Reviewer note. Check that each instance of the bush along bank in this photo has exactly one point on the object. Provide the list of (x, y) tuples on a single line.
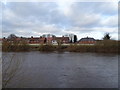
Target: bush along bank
[(46, 48), (105, 46), (15, 46)]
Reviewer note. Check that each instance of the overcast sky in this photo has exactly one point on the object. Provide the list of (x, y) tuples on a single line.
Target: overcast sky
[(91, 19)]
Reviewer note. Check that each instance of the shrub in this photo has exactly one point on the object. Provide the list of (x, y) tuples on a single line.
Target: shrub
[(46, 48), (15, 46)]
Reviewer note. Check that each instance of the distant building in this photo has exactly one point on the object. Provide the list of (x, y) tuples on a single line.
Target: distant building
[(72, 37), (87, 40), (62, 40), (36, 40), (49, 37)]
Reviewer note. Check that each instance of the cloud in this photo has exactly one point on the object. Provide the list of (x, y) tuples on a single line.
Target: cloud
[(107, 8), (81, 18), (111, 21)]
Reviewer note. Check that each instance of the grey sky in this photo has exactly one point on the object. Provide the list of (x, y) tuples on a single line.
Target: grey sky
[(91, 19)]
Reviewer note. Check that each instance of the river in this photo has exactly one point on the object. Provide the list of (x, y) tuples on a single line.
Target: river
[(64, 70)]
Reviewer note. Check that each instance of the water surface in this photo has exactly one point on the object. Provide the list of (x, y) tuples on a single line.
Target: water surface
[(65, 70)]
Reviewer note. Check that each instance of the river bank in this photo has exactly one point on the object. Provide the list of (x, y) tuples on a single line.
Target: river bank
[(100, 47)]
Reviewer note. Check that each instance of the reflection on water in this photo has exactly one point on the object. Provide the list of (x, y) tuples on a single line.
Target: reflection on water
[(66, 70)]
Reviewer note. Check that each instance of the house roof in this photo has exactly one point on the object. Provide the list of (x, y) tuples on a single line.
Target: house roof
[(87, 39), (36, 38), (65, 38), (61, 38), (42, 38)]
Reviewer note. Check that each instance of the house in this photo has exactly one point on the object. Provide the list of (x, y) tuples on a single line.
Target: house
[(72, 37), (61, 40), (33, 40), (49, 38), (87, 40), (36, 40), (65, 39), (42, 40), (13, 39)]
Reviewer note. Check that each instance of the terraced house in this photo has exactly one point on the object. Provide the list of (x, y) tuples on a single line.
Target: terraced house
[(51, 39)]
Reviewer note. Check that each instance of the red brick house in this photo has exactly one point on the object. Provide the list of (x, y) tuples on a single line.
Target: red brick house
[(65, 39), (36, 40), (61, 40), (87, 40), (18, 39)]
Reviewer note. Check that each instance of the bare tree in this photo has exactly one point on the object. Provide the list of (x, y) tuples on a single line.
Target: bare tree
[(10, 67), (59, 42)]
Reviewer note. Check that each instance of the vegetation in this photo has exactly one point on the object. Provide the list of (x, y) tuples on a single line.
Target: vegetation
[(75, 38), (47, 48), (15, 46), (106, 36), (105, 46)]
